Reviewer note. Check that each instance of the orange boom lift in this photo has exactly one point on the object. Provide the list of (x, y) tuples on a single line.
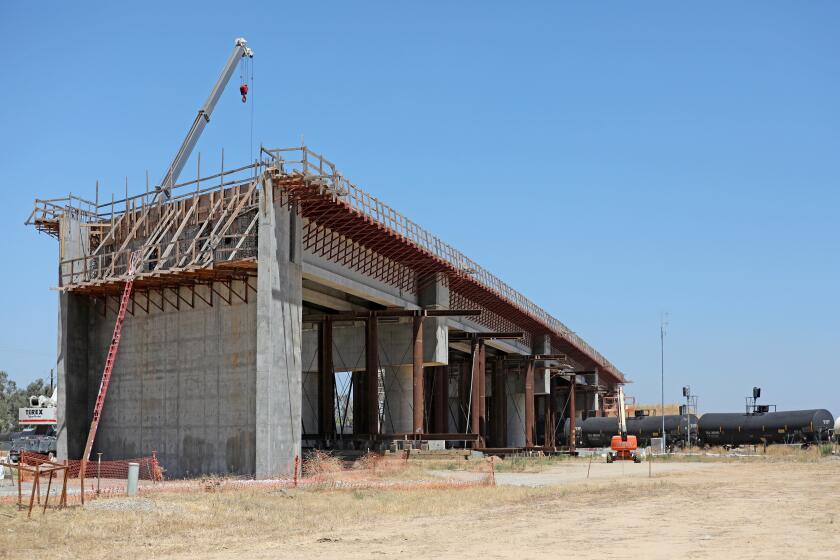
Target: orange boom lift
[(623, 447)]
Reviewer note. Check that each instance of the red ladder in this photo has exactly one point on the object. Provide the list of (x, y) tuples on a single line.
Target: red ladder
[(106, 375)]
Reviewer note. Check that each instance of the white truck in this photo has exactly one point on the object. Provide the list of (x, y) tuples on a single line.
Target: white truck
[(38, 426)]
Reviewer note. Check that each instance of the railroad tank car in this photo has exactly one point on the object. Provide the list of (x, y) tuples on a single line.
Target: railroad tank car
[(598, 431), (793, 426), (676, 426)]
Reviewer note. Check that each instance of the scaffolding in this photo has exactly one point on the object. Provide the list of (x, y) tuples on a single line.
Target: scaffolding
[(206, 233)]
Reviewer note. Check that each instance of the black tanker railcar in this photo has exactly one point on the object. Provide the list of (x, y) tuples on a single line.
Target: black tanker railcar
[(598, 431), (793, 426)]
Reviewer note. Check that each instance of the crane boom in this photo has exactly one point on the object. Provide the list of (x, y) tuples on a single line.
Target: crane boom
[(240, 50), (622, 414)]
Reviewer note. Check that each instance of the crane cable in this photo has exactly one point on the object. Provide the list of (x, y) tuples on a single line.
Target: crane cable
[(252, 110)]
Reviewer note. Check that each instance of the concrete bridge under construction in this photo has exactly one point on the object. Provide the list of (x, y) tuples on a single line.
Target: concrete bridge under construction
[(280, 307)]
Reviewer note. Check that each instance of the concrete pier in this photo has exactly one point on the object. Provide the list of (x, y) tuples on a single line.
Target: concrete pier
[(278, 337)]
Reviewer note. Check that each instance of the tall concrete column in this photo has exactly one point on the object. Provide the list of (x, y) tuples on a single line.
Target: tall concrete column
[(74, 407), (398, 409), (418, 381), (372, 374), (541, 344), (279, 333), (515, 392), (326, 379), (530, 423)]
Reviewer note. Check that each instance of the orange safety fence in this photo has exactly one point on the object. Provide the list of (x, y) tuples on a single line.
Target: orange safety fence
[(372, 472), (149, 467)]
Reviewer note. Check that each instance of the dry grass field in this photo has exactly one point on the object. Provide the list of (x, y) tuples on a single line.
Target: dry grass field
[(785, 506)]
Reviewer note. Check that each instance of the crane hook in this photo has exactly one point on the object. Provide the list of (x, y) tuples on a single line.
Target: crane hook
[(243, 89)]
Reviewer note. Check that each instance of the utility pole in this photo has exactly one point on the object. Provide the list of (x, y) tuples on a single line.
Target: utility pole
[(663, 322)]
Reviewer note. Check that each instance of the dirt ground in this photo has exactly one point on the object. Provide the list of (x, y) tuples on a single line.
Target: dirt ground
[(741, 509), (691, 510)]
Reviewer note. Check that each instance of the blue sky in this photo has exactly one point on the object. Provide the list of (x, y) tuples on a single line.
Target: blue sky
[(610, 160)]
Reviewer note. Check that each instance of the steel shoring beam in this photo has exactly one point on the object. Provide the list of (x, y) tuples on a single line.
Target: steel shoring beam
[(385, 313), (461, 337), (547, 357), (435, 436)]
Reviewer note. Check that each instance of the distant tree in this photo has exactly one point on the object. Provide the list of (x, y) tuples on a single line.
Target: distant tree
[(38, 387), (12, 398), (8, 394)]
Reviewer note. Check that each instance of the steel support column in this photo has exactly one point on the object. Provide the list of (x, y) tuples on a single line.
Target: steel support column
[(372, 374), (548, 439), (499, 416), (530, 423), (572, 414), (475, 413), (418, 382), (482, 392), (441, 400), (360, 422), (464, 394), (326, 380)]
